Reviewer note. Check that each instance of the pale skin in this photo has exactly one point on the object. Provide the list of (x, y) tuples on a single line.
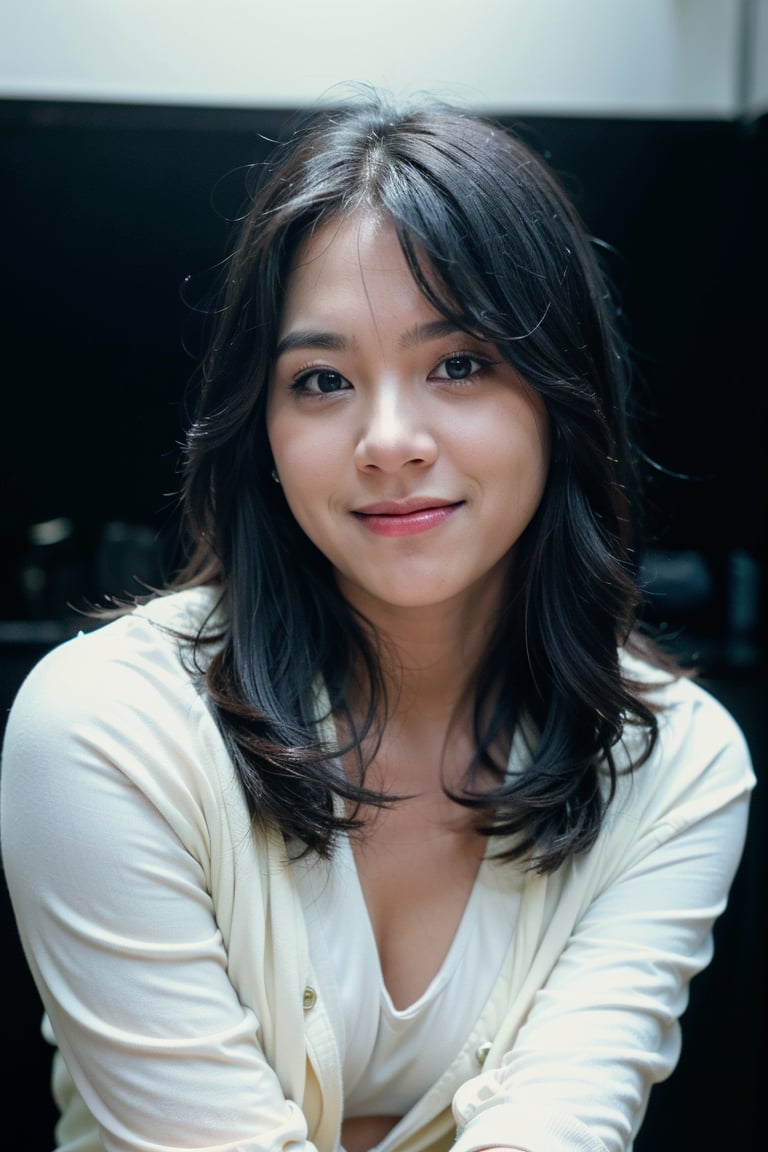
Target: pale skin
[(413, 456)]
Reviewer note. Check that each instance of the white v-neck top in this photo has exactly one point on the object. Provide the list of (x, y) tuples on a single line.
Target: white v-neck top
[(389, 1056)]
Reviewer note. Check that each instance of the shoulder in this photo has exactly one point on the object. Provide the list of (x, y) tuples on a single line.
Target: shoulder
[(128, 693), (701, 759), (151, 642), (185, 613), (684, 707)]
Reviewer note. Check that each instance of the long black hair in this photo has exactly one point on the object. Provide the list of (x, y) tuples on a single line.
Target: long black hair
[(495, 245)]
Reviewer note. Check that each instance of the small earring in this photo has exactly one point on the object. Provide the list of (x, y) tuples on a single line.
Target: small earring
[(275, 476)]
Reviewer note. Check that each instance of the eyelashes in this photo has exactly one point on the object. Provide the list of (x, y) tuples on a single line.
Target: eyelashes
[(326, 381), (456, 368)]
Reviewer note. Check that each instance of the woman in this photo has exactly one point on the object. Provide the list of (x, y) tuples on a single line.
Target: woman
[(381, 827)]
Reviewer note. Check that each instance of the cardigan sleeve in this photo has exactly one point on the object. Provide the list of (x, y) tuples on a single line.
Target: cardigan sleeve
[(112, 890), (602, 1027)]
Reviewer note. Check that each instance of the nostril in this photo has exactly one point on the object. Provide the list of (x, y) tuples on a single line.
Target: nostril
[(392, 445)]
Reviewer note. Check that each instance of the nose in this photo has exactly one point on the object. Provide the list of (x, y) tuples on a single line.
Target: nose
[(394, 433)]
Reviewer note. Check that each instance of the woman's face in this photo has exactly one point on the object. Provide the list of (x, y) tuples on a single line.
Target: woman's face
[(410, 453)]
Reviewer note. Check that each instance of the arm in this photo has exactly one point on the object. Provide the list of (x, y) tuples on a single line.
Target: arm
[(602, 1026), (117, 918)]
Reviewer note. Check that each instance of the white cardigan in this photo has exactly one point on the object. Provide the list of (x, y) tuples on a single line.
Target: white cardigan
[(169, 946)]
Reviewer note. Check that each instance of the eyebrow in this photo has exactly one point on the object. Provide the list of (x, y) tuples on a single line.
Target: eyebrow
[(311, 338), (302, 338), (422, 333)]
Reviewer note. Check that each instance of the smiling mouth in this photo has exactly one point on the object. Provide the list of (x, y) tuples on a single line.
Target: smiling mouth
[(405, 519)]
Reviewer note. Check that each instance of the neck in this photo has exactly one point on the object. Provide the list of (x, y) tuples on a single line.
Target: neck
[(429, 660)]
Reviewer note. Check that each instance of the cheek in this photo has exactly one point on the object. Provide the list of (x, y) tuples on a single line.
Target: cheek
[(306, 463), (536, 431), (309, 468), (518, 442), (308, 445), (292, 448), (542, 441)]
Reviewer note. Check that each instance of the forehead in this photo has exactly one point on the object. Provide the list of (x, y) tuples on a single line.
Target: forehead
[(348, 265), (363, 240)]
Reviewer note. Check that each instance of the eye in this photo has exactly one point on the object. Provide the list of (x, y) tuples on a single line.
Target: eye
[(320, 381), (460, 366)]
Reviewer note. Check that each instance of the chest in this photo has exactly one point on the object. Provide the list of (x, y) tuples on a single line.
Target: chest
[(417, 864), (390, 1057)]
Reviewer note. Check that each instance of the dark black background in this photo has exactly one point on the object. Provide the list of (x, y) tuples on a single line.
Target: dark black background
[(108, 209)]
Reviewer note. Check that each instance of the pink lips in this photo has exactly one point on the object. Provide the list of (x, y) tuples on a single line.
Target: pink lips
[(405, 517)]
